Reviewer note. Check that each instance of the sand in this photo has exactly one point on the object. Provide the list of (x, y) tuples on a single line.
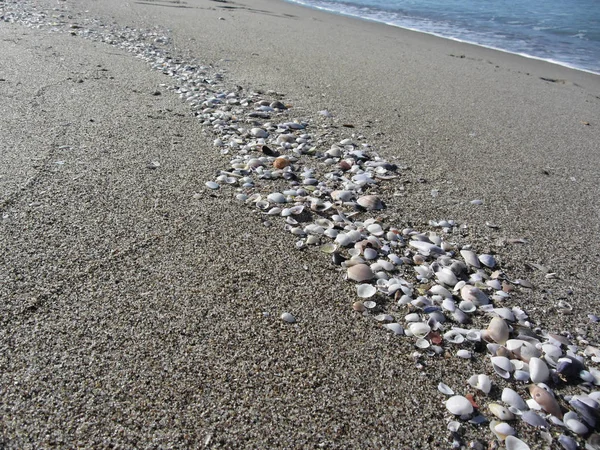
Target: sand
[(136, 314)]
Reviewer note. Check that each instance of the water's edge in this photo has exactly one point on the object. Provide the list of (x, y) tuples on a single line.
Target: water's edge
[(524, 55)]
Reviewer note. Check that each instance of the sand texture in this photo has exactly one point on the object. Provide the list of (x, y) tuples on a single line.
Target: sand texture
[(139, 309)]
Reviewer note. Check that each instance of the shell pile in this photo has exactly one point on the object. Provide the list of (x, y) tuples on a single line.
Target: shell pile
[(418, 284)]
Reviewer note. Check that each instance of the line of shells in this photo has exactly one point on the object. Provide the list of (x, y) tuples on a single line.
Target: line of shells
[(326, 189)]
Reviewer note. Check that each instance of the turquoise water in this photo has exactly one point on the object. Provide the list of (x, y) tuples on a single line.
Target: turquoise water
[(565, 32)]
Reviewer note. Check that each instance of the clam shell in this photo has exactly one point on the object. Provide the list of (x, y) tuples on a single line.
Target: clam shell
[(470, 258), (545, 400), (459, 405), (419, 329), (513, 443), (287, 317), (370, 202), (511, 398), (538, 370), (366, 290), (360, 272), (487, 260), (497, 330), (500, 411), (395, 328), (481, 382)]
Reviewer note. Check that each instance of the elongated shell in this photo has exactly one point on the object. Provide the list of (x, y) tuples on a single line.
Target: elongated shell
[(545, 400)]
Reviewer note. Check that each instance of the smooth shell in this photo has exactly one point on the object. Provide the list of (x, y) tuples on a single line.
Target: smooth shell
[(360, 272), (459, 405)]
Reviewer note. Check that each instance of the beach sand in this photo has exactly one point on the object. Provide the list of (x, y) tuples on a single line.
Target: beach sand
[(140, 310)]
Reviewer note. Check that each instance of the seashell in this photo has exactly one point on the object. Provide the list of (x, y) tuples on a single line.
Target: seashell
[(359, 307), (473, 294), (481, 382), (370, 304), (467, 306), (370, 253), (447, 277), (567, 442), (212, 185), (459, 405), (534, 419), (426, 248), (501, 429), (545, 400), (366, 290), (470, 258), (538, 370), (395, 328), (497, 330), (276, 197), (287, 317), (445, 389), (511, 398), (487, 260), (502, 366), (572, 422), (501, 412), (360, 272), (281, 162), (464, 354), (513, 443), (370, 202), (384, 318), (419, 329)]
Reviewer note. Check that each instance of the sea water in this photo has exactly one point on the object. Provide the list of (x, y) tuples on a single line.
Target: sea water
[(565, 32)]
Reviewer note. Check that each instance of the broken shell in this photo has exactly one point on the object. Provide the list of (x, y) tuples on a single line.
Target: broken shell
[(366, 290), (360, 272), (459, 405), (481, 382)]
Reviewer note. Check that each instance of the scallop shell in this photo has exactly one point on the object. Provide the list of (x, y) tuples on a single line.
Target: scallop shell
[(370, 202), (459, 405), (366, 290), (360, 272)]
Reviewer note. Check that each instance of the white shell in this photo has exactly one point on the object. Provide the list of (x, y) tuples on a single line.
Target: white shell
[(511, 398), (481, 382), (538, 370), (395, 328), (445, 389), (513, 443), (459, 405), (366, 290)]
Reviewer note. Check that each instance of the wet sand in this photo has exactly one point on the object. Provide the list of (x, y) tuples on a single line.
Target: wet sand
[(138, 314)]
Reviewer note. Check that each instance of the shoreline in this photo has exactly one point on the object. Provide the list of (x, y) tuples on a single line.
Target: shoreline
[(157, 312), (438, 35)]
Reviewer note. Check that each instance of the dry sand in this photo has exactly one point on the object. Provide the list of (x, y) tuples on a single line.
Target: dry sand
[(133, 314)]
